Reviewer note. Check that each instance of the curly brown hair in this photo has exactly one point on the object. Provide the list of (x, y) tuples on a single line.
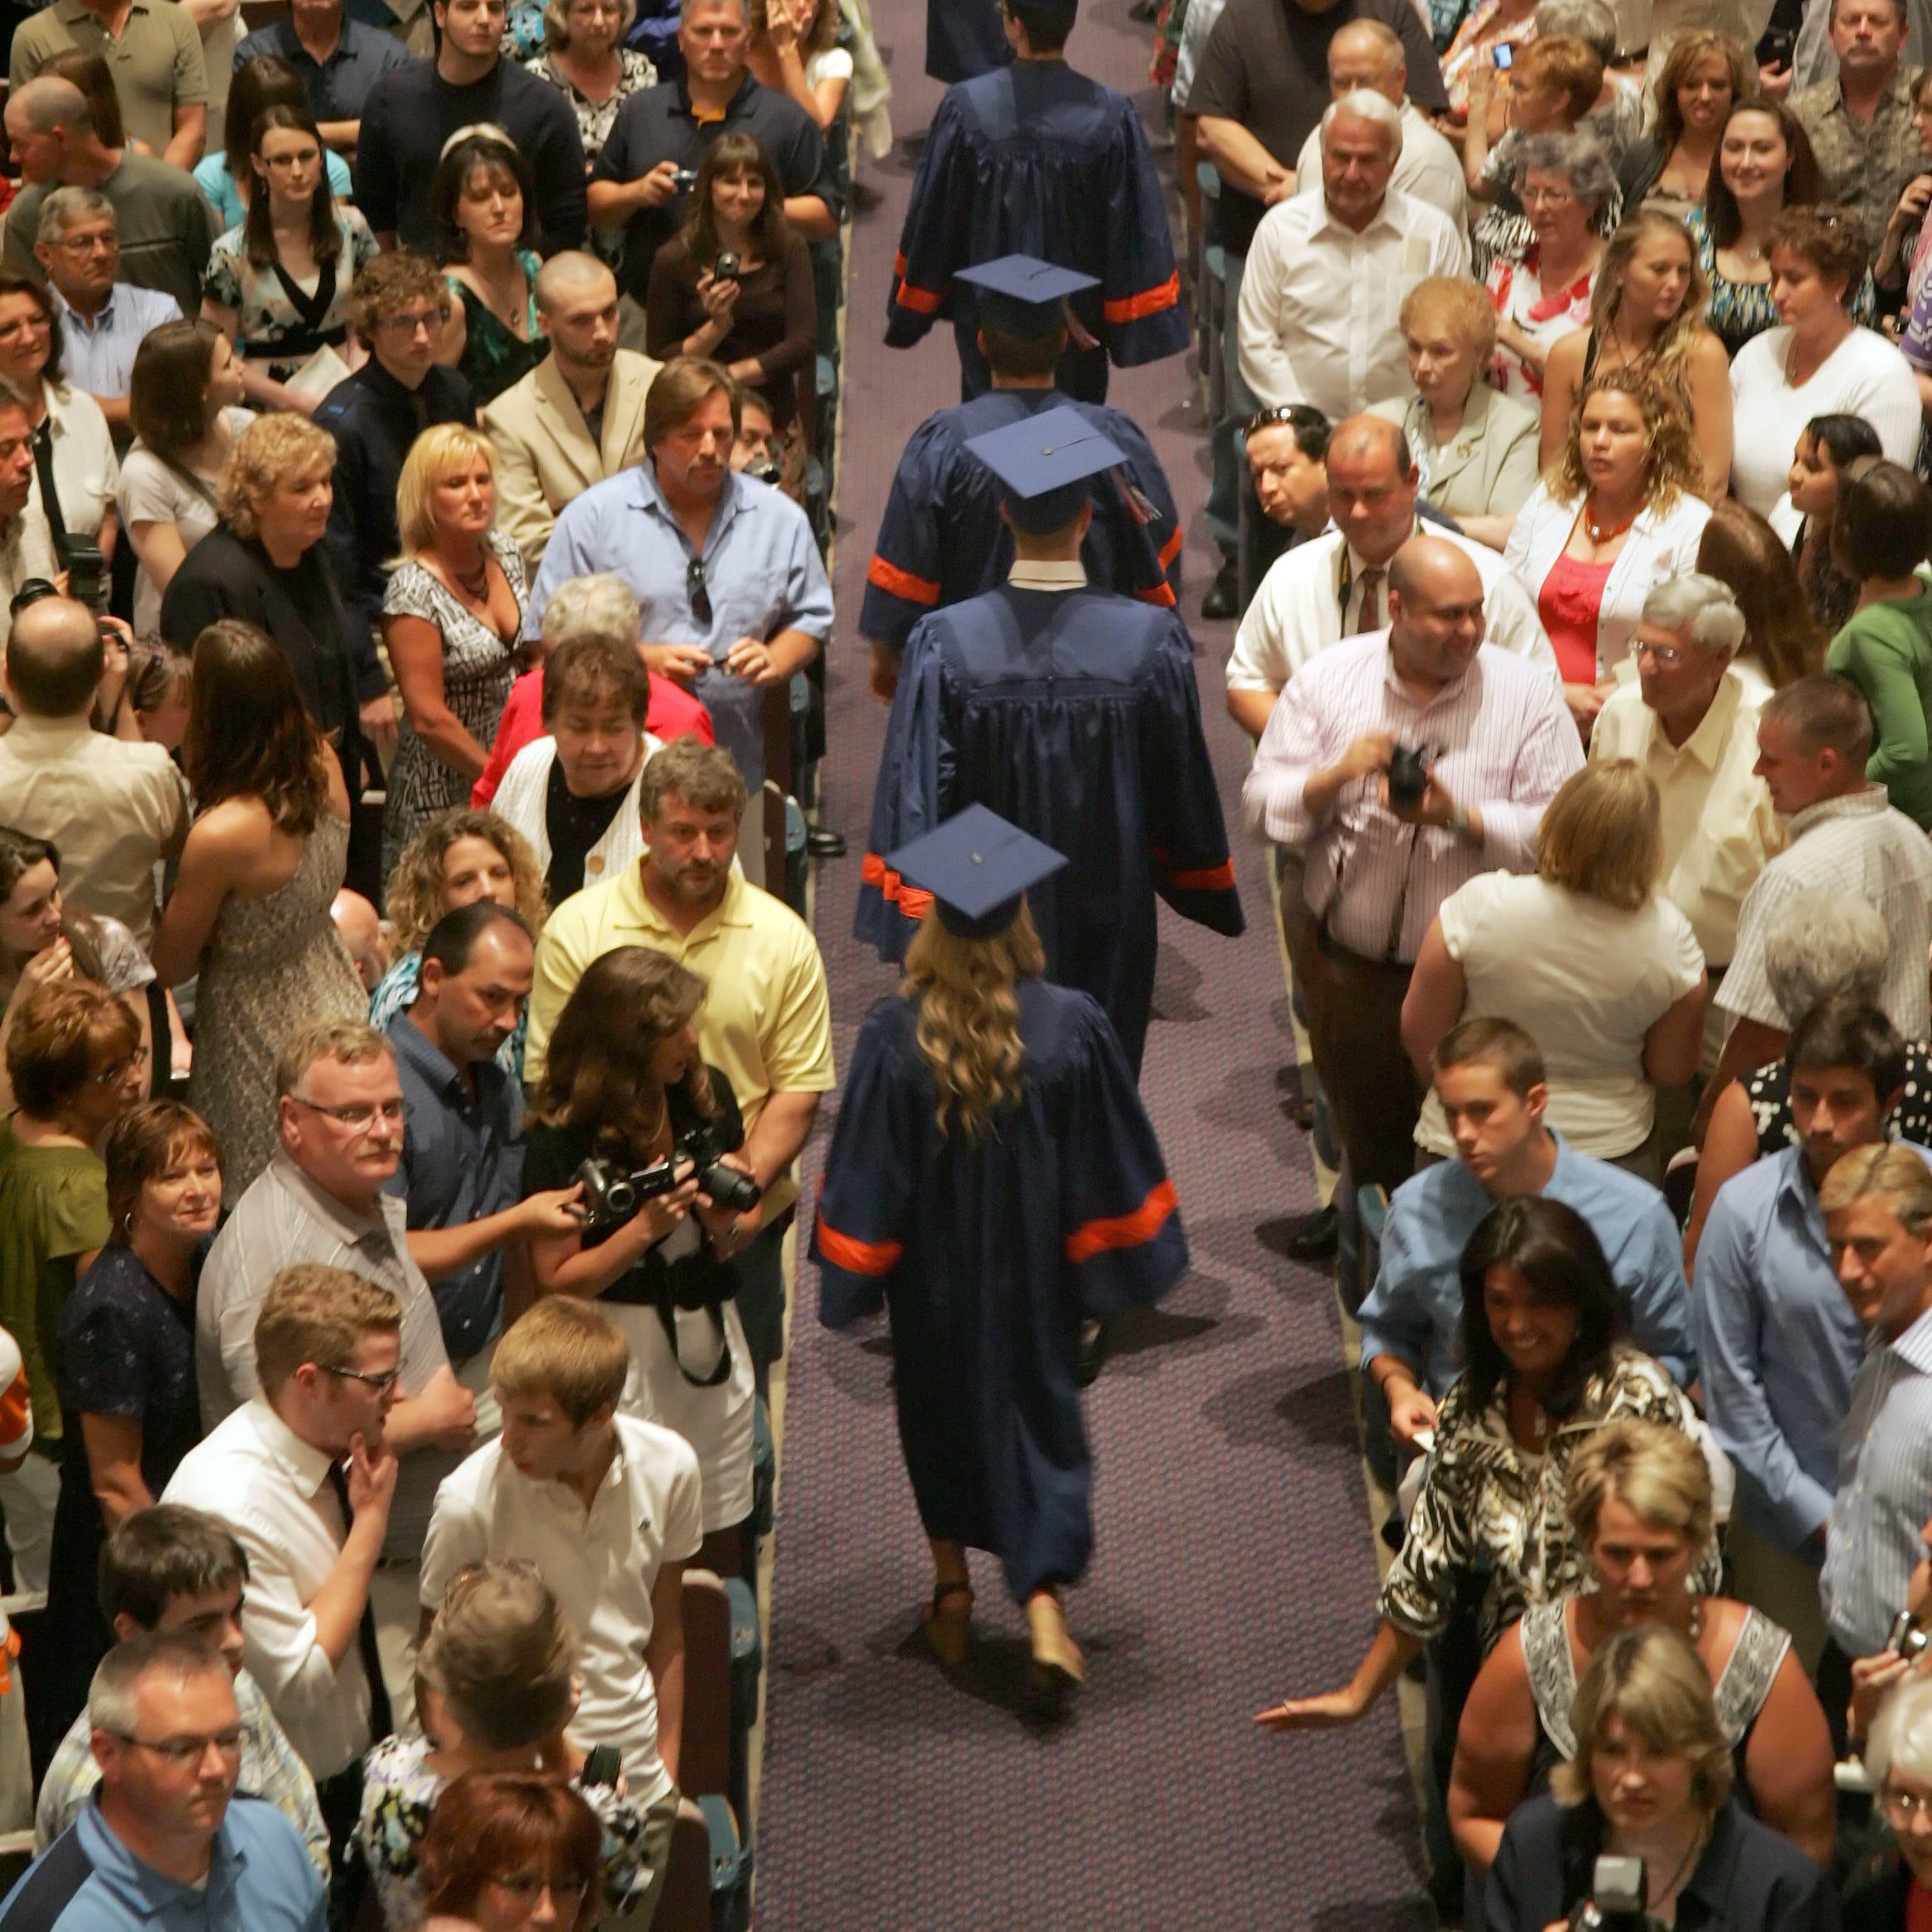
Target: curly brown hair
[(414, 899), (1830, 240), (249, 734), (1672, 467)]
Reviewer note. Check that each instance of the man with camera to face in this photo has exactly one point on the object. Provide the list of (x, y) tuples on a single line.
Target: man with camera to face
[(1490, 742)]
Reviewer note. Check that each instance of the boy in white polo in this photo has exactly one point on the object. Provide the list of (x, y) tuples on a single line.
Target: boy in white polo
[(609, 1509)]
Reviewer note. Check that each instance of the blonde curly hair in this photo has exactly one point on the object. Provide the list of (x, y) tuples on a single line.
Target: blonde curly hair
[(1671, 465), (415, 895), (968, 1015), (271, 449)]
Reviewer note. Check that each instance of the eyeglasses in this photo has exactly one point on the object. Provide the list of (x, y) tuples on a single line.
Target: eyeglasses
[(1907, 1807), (114, 1075), (1665, 654), (185, 1752), (360, 1120), (525, 1887), (422, 322), (1295, 414), (694, 589), (1545, 197), (387, 1379), (87, 244)]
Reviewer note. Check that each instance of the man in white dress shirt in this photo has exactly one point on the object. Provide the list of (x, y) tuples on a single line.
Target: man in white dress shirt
[(1369, 54), (1322, 292), (1337, 586)]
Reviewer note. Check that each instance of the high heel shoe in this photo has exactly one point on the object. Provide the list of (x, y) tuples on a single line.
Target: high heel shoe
[(948, 1624), (1058, 1668)]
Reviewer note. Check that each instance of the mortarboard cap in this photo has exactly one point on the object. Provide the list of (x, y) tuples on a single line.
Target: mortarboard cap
[(1044, 464), (1022, 293), (976, 867)]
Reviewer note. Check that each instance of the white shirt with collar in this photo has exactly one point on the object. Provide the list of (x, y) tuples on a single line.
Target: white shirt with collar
[(1428, 168), (1311, 598), (601, 1563), (1047, 576), (85, 474), (271, 1488), (1320, 302)]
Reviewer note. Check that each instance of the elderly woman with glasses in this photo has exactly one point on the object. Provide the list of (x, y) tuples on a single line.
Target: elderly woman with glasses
[(1891, 1888)]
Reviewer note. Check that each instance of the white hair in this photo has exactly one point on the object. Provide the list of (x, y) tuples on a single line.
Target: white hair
[(1819, 942), (1365, 104), (1702, 605), (1901, 1733), (600, 605)]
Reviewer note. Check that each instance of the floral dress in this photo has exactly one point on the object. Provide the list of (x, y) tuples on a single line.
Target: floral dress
[(1515, 288), (281, 322), (478, 669)]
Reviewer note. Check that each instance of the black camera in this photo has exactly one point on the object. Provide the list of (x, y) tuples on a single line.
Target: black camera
[(87, 571), (1910, 1639), (1409, 775), (1616, 1903), (765, 468), (612, 1195), (686, 179), (727, 268)]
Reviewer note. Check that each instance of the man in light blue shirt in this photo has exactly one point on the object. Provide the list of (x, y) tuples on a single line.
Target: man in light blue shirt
[(1488, 1075), (1777, 1344), (733, 595), (164, 1845)]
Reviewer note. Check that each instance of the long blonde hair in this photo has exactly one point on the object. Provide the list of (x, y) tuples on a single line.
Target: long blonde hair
[(968, 1015)]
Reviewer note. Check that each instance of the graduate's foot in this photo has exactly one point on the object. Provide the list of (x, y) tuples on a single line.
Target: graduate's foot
[(823, 842), (1224, 594), (949, 1623), (1057, 1668), (1090, 1352)]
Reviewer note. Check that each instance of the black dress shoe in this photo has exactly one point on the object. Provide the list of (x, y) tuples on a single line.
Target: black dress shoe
[(823, 842), (1090, 1352), (1315, 1239), (1224, 594)]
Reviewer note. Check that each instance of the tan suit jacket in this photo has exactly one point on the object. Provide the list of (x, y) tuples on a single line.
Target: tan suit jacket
[(545, 455)]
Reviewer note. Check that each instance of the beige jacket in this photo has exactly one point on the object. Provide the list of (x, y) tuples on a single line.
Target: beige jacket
[(545, 455)]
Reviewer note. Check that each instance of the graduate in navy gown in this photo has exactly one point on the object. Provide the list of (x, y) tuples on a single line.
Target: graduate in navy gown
[(1073, 713), (941, 539), (963, 38), (1034, 159), (994, 1179)]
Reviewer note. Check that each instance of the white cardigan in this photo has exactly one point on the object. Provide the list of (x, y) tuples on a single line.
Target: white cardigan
[(521, 798), (1657, 549)]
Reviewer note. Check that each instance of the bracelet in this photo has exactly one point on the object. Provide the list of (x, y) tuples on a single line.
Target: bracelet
[(1458, 820)]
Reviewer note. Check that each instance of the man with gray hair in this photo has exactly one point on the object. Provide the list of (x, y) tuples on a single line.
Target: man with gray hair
[(1690, 720), (1326, 274), (1369, 54), (1812, 740), (576, 418), (164, 224)]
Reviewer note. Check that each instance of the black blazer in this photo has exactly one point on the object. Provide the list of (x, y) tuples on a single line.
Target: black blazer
[(1750, 1878)]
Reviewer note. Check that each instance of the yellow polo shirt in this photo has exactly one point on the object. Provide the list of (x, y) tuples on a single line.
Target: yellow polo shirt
[(766, 1024)]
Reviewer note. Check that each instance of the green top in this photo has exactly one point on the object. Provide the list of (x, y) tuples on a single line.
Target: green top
[(1885, 649), (53, 1207)]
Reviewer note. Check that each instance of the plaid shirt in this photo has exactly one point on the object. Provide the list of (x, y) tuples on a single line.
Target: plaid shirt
[(1866, 164)]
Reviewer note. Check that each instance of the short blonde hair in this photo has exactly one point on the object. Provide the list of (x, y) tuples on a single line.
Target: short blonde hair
[(502, 1655), (1654, 1683), (352, 1041), (432, 457), (1459, 305), (1650, 1468), (564, 1350), (272, 448), (1602, 834), (1889, 1173), (557, 23), (316, 1314)]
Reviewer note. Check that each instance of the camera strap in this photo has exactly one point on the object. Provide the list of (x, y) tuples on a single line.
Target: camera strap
[(667, 1308), (50, 495)]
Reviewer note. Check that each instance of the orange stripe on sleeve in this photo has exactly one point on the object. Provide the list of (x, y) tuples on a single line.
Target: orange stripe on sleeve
[(901, 583), (1120, 1231), (1148, 302), (925, 301), (1207, 879), (868, 1257), (914, 904), (1161, 594), (1171, 548)]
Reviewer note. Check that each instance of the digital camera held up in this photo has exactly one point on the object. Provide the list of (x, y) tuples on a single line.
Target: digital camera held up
[(1618, 1890), (1409, 775), (612, 1194)]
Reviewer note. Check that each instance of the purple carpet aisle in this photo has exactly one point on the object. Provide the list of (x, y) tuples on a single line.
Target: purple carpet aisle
[(1233, 1559)]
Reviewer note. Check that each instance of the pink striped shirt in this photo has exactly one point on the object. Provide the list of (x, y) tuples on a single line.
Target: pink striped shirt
[(1503, 742)]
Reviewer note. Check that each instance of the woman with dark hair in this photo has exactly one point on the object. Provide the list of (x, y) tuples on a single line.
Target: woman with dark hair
[(1545, 1363), (249, 912), (1817, 361), (623, 1082), (1703, 76), (126, 1360), (278, 282), (762, 321), (226, 178), (1826, 447), (500, 1847), (1781, 642), (184, 400), (1879, 535), (80, 448), (485, 206), (993, 1179)]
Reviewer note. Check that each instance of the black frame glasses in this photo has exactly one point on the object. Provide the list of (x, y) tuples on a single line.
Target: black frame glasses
[(695, 591), (387, 1380)]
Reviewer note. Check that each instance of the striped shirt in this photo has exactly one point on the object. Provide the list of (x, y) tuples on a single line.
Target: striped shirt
[(1502, 740), (1855, 844), (1884, 1490)]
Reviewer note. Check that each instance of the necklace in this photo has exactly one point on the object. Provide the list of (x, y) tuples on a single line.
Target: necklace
[(1682, 1870), (1603, 533), (477, 587)]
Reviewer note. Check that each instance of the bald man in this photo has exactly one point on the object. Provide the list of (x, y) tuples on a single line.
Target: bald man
[(1366, 53), (1494, 740), (577, 418)]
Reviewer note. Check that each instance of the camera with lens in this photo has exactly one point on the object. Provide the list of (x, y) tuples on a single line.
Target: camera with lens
[(612, 1194), (1409, 775), (728, 268), (763, 467), (87, 571), (1910, 1639), (1618, 1891)]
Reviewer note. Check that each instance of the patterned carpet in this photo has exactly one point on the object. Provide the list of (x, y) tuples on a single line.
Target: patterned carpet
[(1233, 1559)]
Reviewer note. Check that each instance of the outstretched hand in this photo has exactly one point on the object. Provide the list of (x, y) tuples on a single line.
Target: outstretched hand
[(1329, 1712)]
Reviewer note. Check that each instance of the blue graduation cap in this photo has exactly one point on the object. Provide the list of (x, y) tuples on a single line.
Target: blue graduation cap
[(1022, 294), (1044, 464), (976, 867)]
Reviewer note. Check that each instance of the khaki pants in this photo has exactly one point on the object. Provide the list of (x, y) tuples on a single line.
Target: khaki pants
[(395, 1595), (1783, 1586)]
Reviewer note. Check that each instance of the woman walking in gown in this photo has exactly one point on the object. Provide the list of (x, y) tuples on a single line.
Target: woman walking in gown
[(264, 857), (993, 1178)]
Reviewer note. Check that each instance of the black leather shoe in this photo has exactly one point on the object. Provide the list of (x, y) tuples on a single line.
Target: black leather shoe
[(1090, 1352), (1224, 594), (1315, 1239), (823, 842)]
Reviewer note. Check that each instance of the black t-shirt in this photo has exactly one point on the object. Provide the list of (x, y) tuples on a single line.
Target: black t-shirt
[(574, 825), (1265, 66)]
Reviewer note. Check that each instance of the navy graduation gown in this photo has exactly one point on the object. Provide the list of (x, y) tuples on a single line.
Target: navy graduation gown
[(1036, 160), (986, 1253), (1074, 715), (963, 38), (943, 539)]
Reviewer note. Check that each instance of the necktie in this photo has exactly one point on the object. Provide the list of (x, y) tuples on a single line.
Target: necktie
[(1368, 616), (380, 1723)]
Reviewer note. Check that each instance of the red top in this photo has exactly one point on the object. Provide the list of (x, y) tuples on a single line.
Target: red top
[(1918, 1908), (674, 713), (1568, 603)]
